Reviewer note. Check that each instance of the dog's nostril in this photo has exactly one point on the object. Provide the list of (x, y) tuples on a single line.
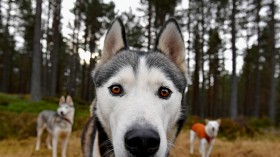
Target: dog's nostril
[(133, 142), (142, 142), (61, 113)]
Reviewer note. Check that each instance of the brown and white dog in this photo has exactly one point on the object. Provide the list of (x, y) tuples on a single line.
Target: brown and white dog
[(206, 134)]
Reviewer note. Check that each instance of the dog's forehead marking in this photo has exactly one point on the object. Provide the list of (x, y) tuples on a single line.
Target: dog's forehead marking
[(152, 60), (143, 78), (151, 76)]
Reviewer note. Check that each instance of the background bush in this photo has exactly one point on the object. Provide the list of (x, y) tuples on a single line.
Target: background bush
[(18, 119), (18, 116), (233, 129)]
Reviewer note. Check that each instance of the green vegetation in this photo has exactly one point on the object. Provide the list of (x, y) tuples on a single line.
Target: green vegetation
[(18, 119), (18, 115)]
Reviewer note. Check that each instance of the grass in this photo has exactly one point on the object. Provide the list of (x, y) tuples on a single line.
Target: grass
[(20, 104), (26, 147), (241, 138), (18, 115), (264, 146)]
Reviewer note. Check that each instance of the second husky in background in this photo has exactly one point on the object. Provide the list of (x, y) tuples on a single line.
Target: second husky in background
[(206, 134), (58, 124)]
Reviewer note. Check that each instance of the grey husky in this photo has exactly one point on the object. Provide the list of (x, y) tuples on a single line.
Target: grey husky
[(58, 124), (139, 105)]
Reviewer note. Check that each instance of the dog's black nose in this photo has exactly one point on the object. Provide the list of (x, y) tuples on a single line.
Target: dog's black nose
[(142, 142), (61, 113)]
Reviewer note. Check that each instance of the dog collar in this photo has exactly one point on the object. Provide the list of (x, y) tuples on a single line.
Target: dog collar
[(208, 138), (66, 119)]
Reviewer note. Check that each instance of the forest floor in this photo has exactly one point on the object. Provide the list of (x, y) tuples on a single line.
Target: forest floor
[(243, 147), (18, 122)]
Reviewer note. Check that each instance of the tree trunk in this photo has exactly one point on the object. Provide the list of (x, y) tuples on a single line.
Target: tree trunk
[(36, 57), (7, 52), (272, 88), (196, 100), (55, 50), (1, 24), (46, 79), (233, 96), (149, 26), (256, 111), (203, 91), (248, 80)]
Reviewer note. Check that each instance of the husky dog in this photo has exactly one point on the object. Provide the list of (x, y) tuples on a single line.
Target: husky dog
[(57, 124), (207, 134), (139, 105)]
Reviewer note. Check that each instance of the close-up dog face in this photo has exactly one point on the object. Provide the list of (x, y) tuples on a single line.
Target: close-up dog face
[(140, 94)]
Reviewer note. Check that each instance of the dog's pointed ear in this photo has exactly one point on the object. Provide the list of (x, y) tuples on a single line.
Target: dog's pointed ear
[(61, 100), (115, 40), (69, 100), (219, 121), (170, 42)]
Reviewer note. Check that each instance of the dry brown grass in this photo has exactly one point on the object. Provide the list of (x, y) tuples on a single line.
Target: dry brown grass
[(26, 147), (262, 147)]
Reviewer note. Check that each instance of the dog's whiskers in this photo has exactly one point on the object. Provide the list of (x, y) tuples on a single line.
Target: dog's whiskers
[(112, 155), (106, 142), (108, 153), (170, 145)]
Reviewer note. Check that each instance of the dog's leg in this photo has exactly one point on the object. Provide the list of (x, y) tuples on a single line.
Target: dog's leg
[(39, 133), (54, 144), (202, 147), (192, 138), (48, 141), (64, 145), (210, 147)]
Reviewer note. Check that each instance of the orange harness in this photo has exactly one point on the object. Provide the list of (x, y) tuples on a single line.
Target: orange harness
[(199, 129)]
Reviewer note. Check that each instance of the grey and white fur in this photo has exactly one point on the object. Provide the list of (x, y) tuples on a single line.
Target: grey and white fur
[(58, 124), (139, 107)]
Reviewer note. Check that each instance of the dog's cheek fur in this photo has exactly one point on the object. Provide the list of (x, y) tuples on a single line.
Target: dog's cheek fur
[(174, 111), (103, 108)]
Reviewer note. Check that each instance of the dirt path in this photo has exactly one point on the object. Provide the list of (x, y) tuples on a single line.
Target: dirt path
[(222, 148)]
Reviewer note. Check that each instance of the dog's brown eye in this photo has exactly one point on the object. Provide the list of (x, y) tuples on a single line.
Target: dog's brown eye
[(164, 92), (116, 90)]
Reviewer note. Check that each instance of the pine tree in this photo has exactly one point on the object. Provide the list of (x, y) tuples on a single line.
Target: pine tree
[(134, 30), (26, 20), (37, 56), (272, 87), (55, 48), (233, 97), (257, 68)]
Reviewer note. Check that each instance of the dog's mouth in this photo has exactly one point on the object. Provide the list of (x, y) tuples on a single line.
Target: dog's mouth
[(142, 142)]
